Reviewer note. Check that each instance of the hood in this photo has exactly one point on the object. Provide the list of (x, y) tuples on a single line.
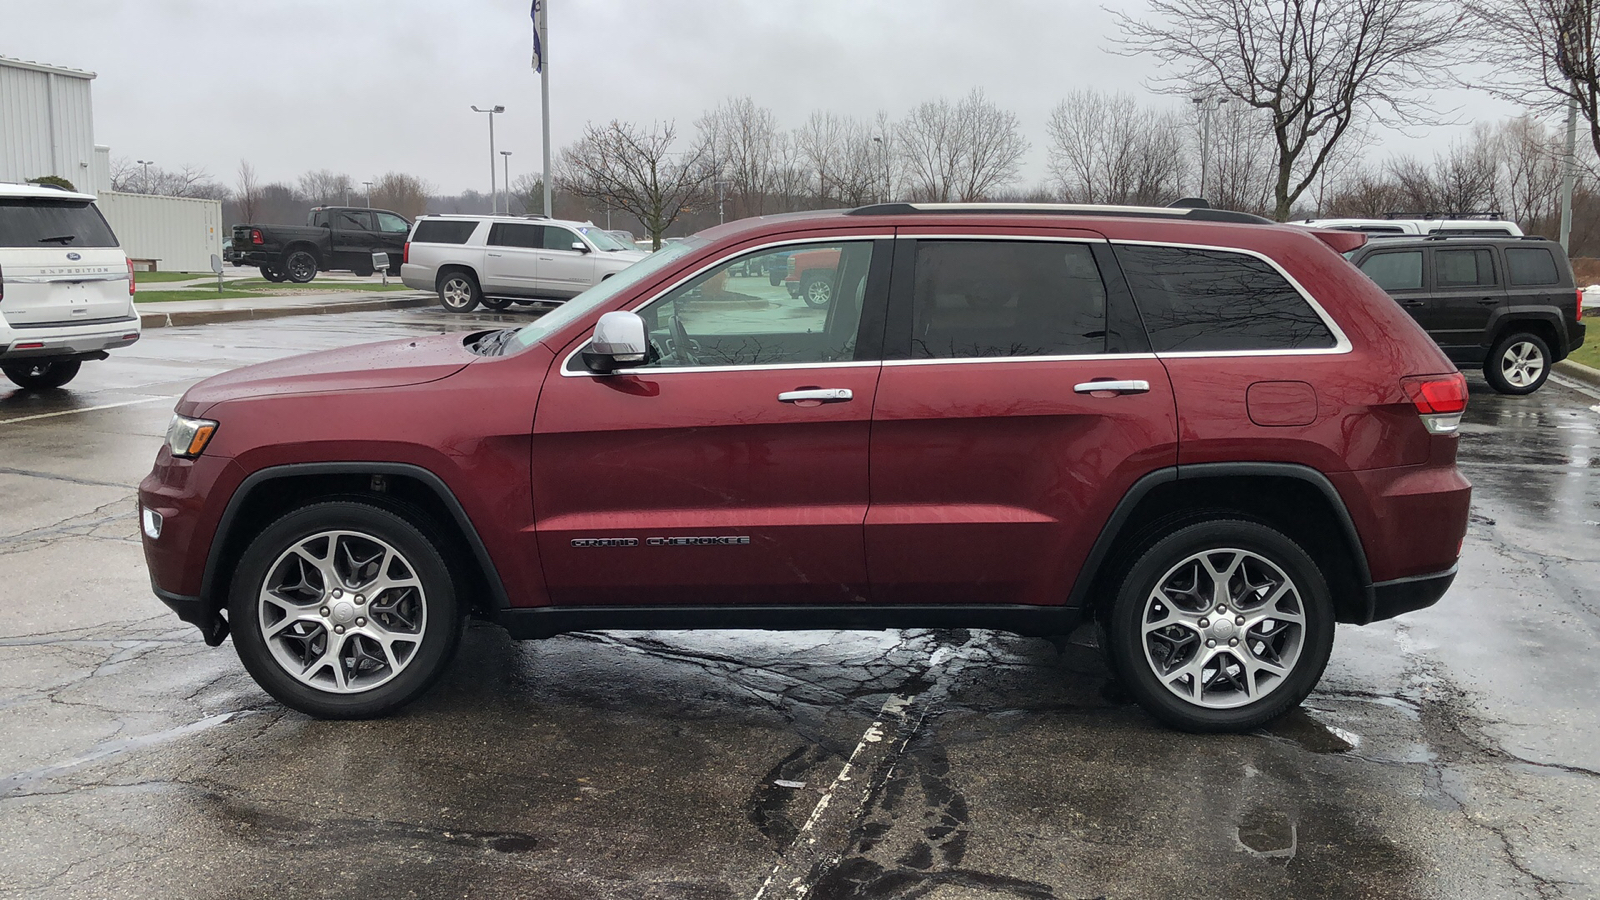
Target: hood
[(629, 255), (363, 367)]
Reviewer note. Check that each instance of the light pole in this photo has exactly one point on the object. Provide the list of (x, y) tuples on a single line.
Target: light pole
[(883, 147), (506, 156), (369, 193), (1206, 106), (494, 192), (145, 178)]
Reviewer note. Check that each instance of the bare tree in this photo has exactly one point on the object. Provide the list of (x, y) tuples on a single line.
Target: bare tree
[(248, 195), (1107, 148), (1315, 66), (527, 191), (962, 151), (323, 187), (124, 175), (636, 171), (405, 194), (1543, 54), (740, 140), (1532, 161), (1363, 194)]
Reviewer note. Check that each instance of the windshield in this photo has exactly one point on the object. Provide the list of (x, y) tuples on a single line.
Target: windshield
[(604, 241), (579, 306), (30, 222)]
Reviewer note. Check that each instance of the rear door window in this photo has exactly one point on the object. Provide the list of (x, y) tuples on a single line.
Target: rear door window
[(1531, 266), (38, 223), (1463, 268), (1204, 300), (443, 231), (1395, 271), (516, 234), (391, 223), (992, 299)]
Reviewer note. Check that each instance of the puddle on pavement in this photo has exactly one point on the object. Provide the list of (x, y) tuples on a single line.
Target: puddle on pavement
[(1299, 727), (1268, 834)]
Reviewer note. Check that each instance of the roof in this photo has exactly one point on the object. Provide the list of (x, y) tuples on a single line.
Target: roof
[(7, 61), (12, 191)]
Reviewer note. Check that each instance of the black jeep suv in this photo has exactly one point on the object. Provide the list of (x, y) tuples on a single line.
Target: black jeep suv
[(1507, 304)]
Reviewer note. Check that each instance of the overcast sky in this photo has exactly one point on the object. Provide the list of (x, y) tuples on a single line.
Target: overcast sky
[(369, 86)]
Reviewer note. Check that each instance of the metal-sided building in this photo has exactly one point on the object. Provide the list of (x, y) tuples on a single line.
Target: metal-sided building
[(47, 128)]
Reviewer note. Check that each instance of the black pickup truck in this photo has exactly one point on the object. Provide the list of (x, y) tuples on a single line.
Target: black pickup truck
[(334, 237)]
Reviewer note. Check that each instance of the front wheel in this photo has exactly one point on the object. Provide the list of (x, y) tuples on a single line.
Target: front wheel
[(300, 266), (817, 289), (1222, 625), (343, 610), (41, 376), (1518, 364)]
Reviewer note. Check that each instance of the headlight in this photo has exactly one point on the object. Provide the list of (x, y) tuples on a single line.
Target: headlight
[(187, 438)]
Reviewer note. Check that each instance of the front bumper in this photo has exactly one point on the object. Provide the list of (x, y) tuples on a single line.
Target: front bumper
[(67, 340), (180, 490)]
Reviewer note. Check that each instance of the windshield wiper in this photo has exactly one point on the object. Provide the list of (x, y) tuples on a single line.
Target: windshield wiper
[(63, 238), (491, 343)]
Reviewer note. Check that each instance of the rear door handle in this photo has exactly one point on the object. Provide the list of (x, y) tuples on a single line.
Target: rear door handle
[(494, 254), (1413, 303), (1488, 300), (1120, 387), (821, 395)]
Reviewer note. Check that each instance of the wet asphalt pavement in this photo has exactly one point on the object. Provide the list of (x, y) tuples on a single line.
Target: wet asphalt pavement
[(1452, 753)]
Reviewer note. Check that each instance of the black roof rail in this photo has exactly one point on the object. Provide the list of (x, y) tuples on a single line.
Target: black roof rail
[(1058, 209), (1431, 214)]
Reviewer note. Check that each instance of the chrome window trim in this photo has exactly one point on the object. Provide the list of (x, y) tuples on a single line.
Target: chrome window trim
[(1341, 343), (968, 360), (830, 239)]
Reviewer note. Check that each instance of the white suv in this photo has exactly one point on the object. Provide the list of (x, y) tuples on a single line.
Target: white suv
[(499, 260), (66, 287)]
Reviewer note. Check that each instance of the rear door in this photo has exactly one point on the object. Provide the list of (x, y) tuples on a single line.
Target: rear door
[(391, 235), (353, 238), (564, 271), (995, 459), (60, 262), (732, 469), (511, 258), (1468, 288)]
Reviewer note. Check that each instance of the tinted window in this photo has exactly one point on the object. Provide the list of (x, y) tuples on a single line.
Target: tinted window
[(25, 222), (1210, 300), (1532, 265), (352, 220), (391, 223), (1455, 268), (559, 238), (975, 299), (1395, 271), (734, 315), (512, 234), (443, 231)]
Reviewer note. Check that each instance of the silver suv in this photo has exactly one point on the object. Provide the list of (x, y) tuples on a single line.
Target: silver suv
[(500, 260), (66, 287)]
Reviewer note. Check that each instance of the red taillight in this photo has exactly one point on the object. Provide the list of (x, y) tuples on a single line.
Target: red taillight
[(1435, 394), (130, 277), (255, 236), (405, 253), (1580, 304)]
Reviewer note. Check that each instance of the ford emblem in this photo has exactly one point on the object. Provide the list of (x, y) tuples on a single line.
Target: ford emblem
[(74, 256)]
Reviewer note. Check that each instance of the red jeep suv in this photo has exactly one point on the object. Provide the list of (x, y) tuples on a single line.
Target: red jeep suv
[(1210, 434)]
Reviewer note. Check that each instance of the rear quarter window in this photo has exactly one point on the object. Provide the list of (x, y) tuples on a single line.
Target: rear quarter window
[(36, 222), (1531, 265), (443, 231), (1205, 300)]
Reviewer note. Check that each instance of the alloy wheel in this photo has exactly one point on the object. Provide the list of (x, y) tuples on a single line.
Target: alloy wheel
[(456, 293), (1522, 364), (1223, 628), (342, 611)]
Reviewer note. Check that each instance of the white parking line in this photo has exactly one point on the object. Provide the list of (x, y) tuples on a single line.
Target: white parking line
[(69, 412)]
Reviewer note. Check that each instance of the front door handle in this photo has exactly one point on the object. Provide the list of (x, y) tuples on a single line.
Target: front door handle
[(1120, 387), (818, 395), (494, 254), (1489, 300), (1413, 303)]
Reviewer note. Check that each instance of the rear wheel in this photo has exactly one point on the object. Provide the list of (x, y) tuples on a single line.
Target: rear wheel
[(497, 302), (458, 292), (300, 266), (344, 610), (41, 376), (1518, 364), (271, 274), (1221, 625)]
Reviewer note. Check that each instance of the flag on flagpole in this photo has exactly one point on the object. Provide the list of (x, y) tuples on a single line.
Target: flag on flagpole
[(537, 14)]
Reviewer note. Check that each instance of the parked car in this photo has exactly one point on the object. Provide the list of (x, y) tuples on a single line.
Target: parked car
[(625, 238), (334, 237), (66, 286), (1469, 226), (1508, 305), (809, 275), (990, 439), (499, 260)]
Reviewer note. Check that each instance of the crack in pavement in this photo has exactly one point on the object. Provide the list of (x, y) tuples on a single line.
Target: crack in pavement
[(30, 473)]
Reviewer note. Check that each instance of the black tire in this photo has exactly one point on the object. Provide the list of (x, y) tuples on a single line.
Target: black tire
[(442, 615), (497, 302), (458, 291), (1222, 705), (43, 375), (816, 288), (1518, 364), (775, 276), (271, 274), (300, 266), (362, 270)]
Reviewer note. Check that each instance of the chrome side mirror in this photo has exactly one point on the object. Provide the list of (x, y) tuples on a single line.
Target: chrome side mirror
[(580, 246), (619, 341)]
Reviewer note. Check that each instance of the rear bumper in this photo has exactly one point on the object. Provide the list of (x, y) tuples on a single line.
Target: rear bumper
[(256, 258), (417, 277), (67, 340), (1575, 334), (1403, 595)]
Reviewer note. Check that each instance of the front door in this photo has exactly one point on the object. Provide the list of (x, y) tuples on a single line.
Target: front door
[(1467, 289), (563, 271), (731, 469), (996, 459), (1400, 273)]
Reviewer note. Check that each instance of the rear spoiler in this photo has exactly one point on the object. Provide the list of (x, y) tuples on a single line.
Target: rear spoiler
[(1340, 241)]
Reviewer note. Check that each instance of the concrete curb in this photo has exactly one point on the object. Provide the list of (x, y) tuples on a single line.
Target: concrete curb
[(1579, 372), (175, 318)]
